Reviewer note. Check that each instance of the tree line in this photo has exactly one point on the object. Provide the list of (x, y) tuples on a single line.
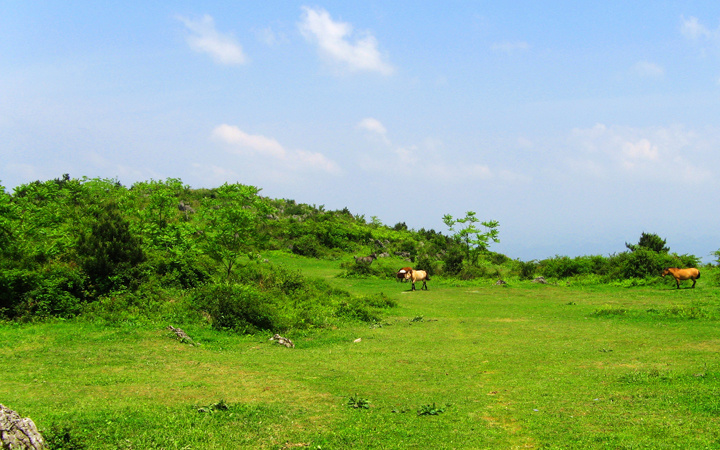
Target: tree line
[(93, 246)]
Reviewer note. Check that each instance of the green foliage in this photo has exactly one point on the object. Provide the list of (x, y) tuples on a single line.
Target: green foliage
[(237, 307), (430, 410), (357, 402), (64, 437), (453, 260), (426, 263), (649, 241), (109, 251), (6, 221), (527, 269), (233, 218), (274, 298), (308, 245), (565, 267), (472, 239)]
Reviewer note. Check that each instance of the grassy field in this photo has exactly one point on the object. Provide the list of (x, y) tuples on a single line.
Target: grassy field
[(459, 366)]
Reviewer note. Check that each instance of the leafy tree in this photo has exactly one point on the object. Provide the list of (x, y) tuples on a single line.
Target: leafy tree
[(649, 241), (472, 239), (233, 219)]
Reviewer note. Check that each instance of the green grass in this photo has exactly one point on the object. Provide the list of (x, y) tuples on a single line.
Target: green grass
[(520, 366)]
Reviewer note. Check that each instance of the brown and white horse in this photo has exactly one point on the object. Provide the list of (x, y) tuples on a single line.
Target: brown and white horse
[(401, 273), (417, 275), (682, 274)]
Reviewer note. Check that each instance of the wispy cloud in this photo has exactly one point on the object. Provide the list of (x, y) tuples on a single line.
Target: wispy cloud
[(204, 38), (691, 28), (647, 69), (270, 150), (428, 160), (661, 153), (510, 47), (334, 42)]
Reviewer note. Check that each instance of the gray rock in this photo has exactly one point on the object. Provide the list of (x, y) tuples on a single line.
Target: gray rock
[(17, 433)]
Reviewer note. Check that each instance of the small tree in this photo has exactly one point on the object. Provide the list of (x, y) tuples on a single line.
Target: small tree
[(649, 241), (472, 239), (233, 219), (109, 250)]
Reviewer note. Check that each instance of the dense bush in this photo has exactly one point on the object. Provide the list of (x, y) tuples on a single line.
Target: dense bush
[(527, 269), (273, 298), (453, 260), (109, 251), (308, 245), (239, 307), (379, 269)]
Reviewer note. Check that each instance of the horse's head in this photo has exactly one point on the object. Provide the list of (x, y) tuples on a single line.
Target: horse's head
[(665, 272)]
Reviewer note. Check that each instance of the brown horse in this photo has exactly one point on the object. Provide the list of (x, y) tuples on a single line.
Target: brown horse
[(401, 273), (417, 275), (682, 274)]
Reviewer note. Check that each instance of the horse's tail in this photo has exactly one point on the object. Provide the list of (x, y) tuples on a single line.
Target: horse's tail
[(698, 274), (427, 277)]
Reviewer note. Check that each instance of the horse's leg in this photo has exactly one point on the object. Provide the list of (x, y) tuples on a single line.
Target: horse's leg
[(413, 286), (694, 280), (425, 285), (677, 281)]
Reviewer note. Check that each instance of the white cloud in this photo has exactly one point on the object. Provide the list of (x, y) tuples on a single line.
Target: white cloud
[(204, 38), (692, 29), (315, 160), (372, 125), (333, 41), (270, 151), (241, 140), (648, 69)]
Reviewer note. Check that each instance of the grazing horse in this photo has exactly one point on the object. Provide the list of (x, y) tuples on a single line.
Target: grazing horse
[(682, 274), (417, 275), (365, 259), (401, 273)]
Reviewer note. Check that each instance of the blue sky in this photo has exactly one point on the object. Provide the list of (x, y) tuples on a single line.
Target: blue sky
[(576, 125)]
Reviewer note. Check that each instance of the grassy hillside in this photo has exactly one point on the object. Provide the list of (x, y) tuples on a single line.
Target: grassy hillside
[(463, 365), (606, 355)]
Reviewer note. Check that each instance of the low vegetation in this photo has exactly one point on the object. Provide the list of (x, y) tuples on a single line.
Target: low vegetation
[(604, 354)]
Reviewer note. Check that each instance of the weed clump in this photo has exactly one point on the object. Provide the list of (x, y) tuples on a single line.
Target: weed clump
[(357, 402), (430, 410)]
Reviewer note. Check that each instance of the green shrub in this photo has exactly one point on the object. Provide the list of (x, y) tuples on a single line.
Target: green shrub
[(237, 307), (308, 245), (527, 269), (560, 267), (353, 269), (58, 289), (424, 262), (177, 270), (641, 263), (453, 260), (365, 309), (109, 251)]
